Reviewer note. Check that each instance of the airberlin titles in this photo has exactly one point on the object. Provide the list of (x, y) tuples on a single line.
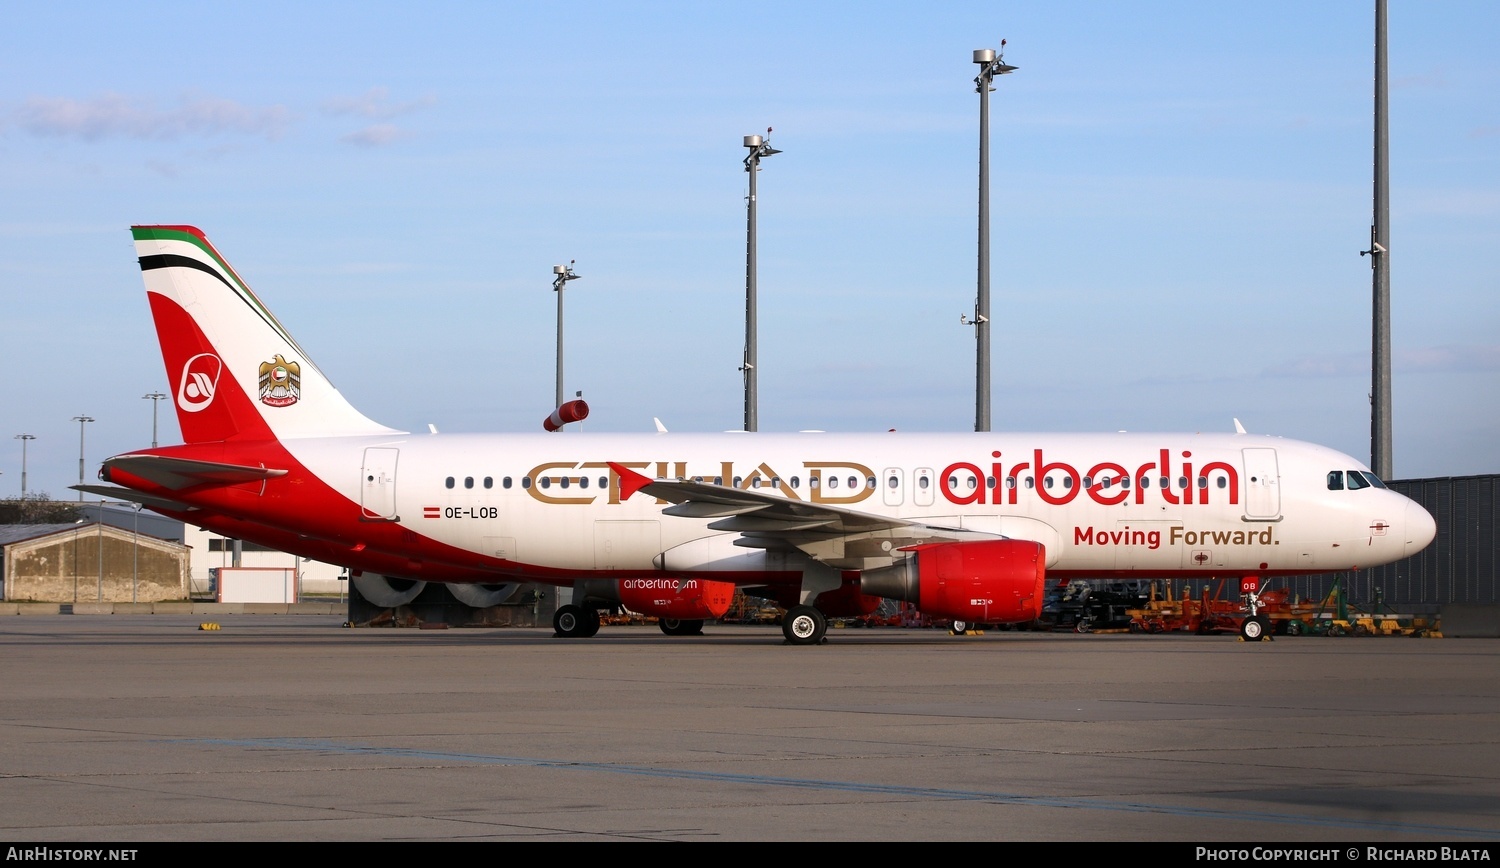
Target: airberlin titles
[(1107, 483)]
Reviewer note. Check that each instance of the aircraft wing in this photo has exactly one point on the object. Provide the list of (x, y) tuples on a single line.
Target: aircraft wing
[(180, 473), (840, 537)]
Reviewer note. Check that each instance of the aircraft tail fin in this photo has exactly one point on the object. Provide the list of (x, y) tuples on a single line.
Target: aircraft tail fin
[(235, 372)]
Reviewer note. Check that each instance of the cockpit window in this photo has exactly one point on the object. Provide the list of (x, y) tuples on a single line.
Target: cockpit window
[(1357, 480), (1335, 480), (1374, 480)]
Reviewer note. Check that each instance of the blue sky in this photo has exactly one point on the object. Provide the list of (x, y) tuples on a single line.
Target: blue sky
[(1180, 192)]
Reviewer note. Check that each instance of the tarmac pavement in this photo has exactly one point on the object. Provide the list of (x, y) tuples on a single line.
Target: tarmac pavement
[(295, 728)]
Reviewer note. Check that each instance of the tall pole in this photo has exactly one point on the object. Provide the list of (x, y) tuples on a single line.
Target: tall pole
[(562, 274), (1380, 261), (135, 566), (99, 550), (990, 65), (23, 438), (759, 147), (81, 420), (153, 397)]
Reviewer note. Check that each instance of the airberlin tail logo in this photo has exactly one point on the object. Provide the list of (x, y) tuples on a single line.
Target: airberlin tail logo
[(199, 382)]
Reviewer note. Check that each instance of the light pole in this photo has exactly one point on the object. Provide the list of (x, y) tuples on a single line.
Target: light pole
[(1380, 261), (81, 420), (23, 438), (563, 274), (153, 397), (135, 566), (990, 65), (759, 147)]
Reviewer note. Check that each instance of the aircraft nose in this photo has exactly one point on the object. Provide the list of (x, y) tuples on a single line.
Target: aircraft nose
[(1421, 529)]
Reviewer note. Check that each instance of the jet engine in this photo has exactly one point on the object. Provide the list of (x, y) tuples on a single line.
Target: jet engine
[(387, 591), (984, 581)]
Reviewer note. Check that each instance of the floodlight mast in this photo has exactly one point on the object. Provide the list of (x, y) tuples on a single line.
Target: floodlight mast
[(562, 274), (759, 147), (1381, 460), (81, 420), (24, 438), (153, 397), (990, 65)]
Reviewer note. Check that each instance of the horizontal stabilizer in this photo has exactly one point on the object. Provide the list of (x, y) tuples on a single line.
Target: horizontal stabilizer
[(180, 473), (114, 492)]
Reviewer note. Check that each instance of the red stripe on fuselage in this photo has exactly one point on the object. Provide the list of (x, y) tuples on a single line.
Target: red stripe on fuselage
[(301, 514)]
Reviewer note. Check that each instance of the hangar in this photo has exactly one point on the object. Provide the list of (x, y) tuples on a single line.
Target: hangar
[(89, 562)]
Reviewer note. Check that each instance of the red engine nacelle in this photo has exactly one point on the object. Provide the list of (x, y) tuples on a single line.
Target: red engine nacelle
[(987, 581), (686, 599)]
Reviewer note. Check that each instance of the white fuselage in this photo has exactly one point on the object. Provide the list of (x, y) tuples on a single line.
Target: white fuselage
[(1149, 504)]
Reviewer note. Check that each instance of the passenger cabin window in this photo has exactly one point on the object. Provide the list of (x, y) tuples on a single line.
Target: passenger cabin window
[(489, 482), (526, 482), (468, 482), (505, 483), (448, 483)]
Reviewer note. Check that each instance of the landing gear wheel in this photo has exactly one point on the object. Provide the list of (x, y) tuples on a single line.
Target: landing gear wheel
[(575, 622), (804, 625), (1252, 629), (960, 628), (1082, 626), (680, 627)]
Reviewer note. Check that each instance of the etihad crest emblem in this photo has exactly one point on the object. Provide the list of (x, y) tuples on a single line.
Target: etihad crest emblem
[(280, 382)]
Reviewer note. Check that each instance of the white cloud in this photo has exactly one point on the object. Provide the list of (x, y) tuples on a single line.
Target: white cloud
[(113, 115), (375, 136), (374, 104), (1424, 360)]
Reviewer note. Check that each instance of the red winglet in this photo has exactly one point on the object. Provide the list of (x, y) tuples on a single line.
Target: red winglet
[(630, 481)]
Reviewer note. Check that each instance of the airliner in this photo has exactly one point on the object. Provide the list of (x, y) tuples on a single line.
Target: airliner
[(965, 526)]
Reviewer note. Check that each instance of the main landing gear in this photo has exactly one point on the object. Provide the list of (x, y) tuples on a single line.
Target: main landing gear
[(575, 622), (680, 627), (804, 625)]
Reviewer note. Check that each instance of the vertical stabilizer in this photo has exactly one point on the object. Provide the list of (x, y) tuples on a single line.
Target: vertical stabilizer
[(235, 372)]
